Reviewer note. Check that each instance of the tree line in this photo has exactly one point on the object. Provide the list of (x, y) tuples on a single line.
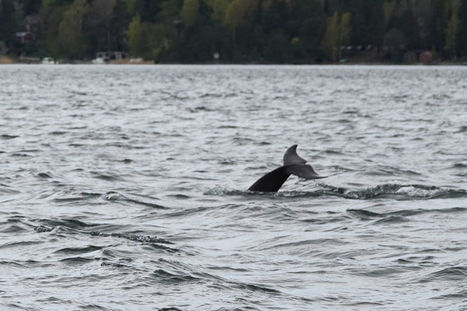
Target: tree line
[(237, 31)]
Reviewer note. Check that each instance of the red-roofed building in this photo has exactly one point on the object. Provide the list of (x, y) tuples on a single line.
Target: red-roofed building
[(24, 37)]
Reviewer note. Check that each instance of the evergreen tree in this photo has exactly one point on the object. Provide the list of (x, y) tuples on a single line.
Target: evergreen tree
[(136, 39), (118, 26), (11, 15), (452, 31), (71, 39), (298, 31), (98, 24), (337, 34), (462, 46), (189, 12)]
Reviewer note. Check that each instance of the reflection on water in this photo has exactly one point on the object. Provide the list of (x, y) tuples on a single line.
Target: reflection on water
[(125, 187)]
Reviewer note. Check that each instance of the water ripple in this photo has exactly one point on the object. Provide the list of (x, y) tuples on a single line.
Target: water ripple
[(387, 191), (124, 187)]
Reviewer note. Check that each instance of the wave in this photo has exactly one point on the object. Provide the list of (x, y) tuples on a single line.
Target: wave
[(456, 295), (73, 226), (455, 273), (108, 196), (47, 225), (83, 196), (79, 250), (367, 215), (256, 288), (107, 176), (115, 196), (399, 192), (20, 244), (8, 136), (78, 260), (175, 272), (163, 276)]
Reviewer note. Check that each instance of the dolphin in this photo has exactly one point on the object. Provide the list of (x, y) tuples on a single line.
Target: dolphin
[(293, 165)]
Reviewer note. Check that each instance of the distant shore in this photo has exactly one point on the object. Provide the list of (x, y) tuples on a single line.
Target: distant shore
[(9, 60)]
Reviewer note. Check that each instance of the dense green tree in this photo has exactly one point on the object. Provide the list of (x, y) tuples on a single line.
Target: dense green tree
[(161, 39), (338, 29), (238, 12), (376, 25), (11, 15), (277, 47), (298, 31), (311, 22), (132, 6), (99, 22), (276, 16), (189, 12), (150, 10), (367, 23), (452, 31), (118, 27), (219, 8), (51, 16), (437, 26), (395, 43), (345, 28), (136, 37), (31, 7), (331, 37), (47, 3), (169, 12), (463, 29), (408, 25), (71, 39)]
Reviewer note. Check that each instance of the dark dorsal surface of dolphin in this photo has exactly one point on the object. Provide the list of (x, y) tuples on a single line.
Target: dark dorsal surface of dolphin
[(293, 165)]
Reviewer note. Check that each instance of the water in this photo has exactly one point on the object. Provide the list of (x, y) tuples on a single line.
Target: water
[(123, 188)]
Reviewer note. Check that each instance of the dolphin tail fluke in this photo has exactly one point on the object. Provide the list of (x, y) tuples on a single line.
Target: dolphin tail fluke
[(291, 157), (272, 181), (303, 171), (293, 165)]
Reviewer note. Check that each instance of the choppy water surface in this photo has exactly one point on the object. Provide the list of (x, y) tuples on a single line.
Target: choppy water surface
[(123, 188)]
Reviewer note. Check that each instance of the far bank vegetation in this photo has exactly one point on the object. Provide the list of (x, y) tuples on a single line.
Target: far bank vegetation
[(237, 31)]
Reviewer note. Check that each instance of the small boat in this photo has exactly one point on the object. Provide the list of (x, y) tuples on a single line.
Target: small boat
[(98, 61), (48, 61)]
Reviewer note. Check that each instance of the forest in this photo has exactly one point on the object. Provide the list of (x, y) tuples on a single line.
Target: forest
[(238, 31)]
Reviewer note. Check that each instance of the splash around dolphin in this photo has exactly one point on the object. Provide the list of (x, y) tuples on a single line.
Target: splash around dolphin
[(293, 165)]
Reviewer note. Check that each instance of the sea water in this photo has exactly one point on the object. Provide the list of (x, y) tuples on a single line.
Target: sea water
[(124, 188)]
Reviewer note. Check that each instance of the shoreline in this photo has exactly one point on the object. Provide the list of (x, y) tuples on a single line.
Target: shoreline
[(7, 60)]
